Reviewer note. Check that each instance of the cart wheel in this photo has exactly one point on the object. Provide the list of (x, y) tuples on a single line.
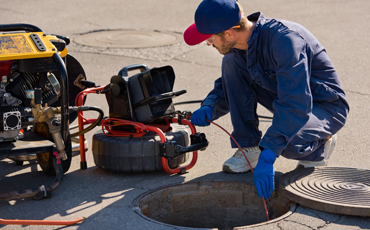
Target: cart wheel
[(45, 159)]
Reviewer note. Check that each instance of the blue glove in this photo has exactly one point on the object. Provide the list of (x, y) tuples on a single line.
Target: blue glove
[(200, 116), (264, 173)]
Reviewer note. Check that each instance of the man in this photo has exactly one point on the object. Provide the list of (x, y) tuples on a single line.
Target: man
[(283, 67)]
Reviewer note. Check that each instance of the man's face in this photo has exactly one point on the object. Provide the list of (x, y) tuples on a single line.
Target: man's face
[(222, 45)]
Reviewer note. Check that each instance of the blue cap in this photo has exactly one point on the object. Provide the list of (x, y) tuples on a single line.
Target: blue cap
[(211, 17)]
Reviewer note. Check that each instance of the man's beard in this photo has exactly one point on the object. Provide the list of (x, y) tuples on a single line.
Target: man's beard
[(226, 46)]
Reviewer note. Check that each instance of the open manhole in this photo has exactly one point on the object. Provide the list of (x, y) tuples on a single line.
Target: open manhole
[(128, 39), (222, 205), (336, 190)]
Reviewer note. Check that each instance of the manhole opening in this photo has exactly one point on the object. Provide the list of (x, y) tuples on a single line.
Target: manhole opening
[(222, 205)]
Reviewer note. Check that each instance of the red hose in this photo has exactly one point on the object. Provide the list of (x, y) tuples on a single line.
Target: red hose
[(263, 199), (41, 222), (107, 125)]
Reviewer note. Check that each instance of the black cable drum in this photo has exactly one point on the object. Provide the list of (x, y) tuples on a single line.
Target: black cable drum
[(136, 154), (336, 190)]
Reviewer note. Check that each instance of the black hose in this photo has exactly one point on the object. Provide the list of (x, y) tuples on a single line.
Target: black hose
[(37, 193), (200, 101), (20, 26), (188, 102), (94, 124), (265, 117)]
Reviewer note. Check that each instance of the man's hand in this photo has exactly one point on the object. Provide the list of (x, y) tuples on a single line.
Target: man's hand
[(264, 173), (200, 116)]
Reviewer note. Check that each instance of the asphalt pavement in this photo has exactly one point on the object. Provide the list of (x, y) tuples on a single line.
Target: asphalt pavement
[(106, 198)]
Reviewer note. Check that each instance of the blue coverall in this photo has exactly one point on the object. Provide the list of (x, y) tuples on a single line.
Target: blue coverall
[(288, 71)]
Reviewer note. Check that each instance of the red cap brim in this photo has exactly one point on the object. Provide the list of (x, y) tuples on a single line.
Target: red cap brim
[(193, 37)]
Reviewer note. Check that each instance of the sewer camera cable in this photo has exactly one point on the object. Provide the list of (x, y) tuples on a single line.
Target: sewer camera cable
[(263, 198)]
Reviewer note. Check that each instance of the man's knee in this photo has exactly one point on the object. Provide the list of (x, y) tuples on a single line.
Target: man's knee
[(309, 151)]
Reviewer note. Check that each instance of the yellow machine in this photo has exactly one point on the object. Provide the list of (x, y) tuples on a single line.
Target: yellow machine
[(30, 45), (37, 85)]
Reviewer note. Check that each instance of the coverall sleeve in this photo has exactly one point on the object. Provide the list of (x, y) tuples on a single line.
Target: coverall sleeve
[(216, 99), (293, 104)]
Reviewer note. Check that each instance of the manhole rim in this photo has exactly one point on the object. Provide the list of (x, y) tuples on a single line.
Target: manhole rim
[(136, 208), (178, 35)]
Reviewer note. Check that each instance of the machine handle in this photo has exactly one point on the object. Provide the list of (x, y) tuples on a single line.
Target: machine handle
[(195, 147), (67, 40), (174, 93), (20, 26), (170, 149), (181, 169), (159, 97), (124, 71)]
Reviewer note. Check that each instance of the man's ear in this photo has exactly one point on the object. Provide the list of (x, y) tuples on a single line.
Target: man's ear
[(229, 34)]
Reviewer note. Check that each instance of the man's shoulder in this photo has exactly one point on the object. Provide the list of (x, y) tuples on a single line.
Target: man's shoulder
[(272, 24)]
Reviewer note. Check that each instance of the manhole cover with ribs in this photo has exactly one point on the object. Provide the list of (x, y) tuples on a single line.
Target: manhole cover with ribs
[(336, 190), (128, 39)]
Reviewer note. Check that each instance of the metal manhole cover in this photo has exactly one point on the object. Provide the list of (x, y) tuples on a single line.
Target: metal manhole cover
[(336, 190), (128, 39)]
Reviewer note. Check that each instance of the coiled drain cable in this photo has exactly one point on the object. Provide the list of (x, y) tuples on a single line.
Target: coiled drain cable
[(263, 198)]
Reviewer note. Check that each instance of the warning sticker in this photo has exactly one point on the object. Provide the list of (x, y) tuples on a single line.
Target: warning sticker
[(14, 44)]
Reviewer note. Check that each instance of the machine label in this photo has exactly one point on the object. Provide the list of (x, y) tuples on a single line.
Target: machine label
[(14, 44)]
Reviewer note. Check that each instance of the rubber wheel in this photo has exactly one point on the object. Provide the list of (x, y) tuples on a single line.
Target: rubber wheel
[(45, 159), (136, 154)]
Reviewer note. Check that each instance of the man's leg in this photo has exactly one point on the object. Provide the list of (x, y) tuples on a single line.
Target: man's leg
[(242, 102), (241, 98), (311, 141)]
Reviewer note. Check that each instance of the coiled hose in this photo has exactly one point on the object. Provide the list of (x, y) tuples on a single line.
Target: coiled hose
[(93, 124)]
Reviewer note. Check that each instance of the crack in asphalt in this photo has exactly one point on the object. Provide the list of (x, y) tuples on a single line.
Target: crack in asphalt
[(11, 10), (196, 63), (356, 92), (278, 224), (326, 222)]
